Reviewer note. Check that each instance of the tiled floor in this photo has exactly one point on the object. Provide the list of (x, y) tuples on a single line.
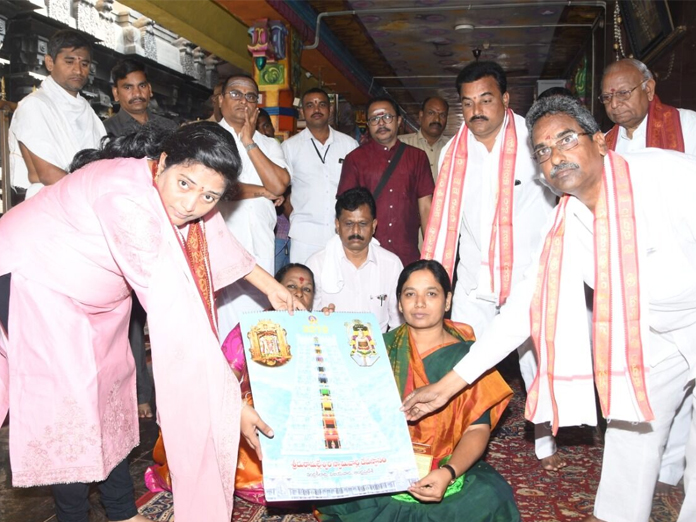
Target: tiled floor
[(36, 504)]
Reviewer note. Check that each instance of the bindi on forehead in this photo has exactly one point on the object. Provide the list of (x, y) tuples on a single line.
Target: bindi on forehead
[(302, 279)]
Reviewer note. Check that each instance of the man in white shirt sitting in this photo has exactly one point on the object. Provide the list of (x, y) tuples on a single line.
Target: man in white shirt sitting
[(353, 273), (315, 157)]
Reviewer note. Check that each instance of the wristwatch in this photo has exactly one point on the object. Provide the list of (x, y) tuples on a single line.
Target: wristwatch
[(452, 472), (250, 147)]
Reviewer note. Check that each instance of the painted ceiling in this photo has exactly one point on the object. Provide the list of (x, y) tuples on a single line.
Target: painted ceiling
[(412, 49)]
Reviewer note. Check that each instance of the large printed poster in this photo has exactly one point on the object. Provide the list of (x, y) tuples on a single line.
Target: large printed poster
[(325, 386)]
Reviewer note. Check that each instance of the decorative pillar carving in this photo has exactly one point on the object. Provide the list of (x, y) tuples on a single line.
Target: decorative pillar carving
[(199, 65), (147, 36), (59, 10), (272, 71), (185, 56)]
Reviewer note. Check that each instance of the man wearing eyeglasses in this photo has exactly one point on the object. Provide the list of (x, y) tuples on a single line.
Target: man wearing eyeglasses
[(432, 118), (642, 120), (398, 176), (251, 217), (316, 157), (629, 234), (488, 188)]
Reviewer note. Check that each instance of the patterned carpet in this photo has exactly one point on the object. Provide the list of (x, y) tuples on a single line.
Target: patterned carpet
[(563, 496)]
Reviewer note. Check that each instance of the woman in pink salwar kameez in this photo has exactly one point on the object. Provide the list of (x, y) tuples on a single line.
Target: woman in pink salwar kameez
[(72, 254)]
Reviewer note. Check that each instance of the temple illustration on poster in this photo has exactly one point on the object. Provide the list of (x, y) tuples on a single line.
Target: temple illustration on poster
[(333, 405)]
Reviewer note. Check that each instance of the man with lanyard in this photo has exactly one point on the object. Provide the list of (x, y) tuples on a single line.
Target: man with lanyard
[(488, 186), (53, 123), (263, 180), (133, 92), (629, 234), (398, 176), (642, 120), (432, 118), (353, 273), (315, 157)]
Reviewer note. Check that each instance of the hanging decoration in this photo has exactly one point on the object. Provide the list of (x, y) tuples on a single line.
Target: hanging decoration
[(618, 41)]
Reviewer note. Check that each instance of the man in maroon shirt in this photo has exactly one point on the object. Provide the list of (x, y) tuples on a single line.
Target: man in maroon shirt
[(403, 202)]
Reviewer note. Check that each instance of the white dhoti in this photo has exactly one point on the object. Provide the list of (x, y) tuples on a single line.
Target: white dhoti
[(635, 449), (478, 314), (688, 509)]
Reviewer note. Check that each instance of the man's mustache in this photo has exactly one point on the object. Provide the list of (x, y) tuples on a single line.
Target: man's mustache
[(561, 167), (479, 117), (317, 114), (134, 100), (356, 236), (436, 124)]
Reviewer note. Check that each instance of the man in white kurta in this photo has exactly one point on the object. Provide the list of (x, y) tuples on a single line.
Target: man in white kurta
[(665, 228), (353, 273), (477, 300), (251, 217), (643, 121), (629, 98), (315, 157), (53, 123)]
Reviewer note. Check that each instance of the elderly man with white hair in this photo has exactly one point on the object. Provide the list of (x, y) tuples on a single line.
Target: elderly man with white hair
[(642, 120)]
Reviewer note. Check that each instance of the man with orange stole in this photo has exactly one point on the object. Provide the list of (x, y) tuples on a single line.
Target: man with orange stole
[(642, 120), (629, 234), (489, 208)]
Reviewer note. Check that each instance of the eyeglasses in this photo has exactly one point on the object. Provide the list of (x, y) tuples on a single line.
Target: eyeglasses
[(251, 97), (567, 142), (624, 95), (386, 118)]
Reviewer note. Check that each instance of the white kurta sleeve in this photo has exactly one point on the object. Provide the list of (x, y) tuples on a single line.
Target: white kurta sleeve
[(510, 328), (507, 331)]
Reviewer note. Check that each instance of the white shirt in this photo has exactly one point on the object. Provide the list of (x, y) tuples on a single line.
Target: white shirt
[(664, 212), (688, 125), (370, 288), (316, 171), (532, 204), (252, 220), (53, 125)]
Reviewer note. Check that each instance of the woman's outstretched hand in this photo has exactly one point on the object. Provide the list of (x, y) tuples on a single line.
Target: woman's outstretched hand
[(251, 424), (432, 397), (282, 299)]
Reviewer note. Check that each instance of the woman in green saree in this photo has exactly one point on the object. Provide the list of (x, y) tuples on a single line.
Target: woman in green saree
[(459, 485)]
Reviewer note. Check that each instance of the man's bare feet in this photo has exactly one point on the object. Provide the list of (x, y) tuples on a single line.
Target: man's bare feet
[(663, 489), (553, 462), (144, 411), (138, 518)]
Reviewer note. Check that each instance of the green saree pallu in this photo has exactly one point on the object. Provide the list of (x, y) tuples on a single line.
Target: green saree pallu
[(482, 494)]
